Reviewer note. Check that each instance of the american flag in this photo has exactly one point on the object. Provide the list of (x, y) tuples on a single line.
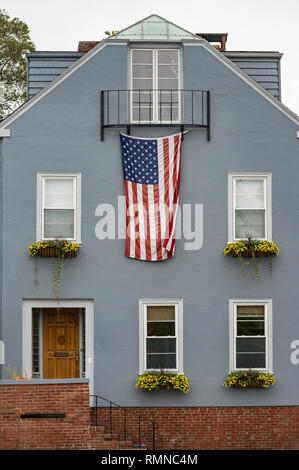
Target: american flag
[(152, 170)]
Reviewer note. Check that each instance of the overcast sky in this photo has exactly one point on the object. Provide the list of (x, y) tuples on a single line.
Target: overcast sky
[(257, 25)]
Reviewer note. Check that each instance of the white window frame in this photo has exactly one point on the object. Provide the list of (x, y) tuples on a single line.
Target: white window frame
[(178, 304), (267, 178), (41, 177), (155, 117), (268, 310)]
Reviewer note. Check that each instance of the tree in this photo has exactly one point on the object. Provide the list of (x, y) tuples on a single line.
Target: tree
[(110, 33), (15, 42)]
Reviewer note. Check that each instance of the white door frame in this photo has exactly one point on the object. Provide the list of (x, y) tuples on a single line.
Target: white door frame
[(29, 304)]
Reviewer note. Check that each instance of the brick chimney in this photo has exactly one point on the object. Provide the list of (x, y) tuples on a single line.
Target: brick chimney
[(85, 46), (221, 38)]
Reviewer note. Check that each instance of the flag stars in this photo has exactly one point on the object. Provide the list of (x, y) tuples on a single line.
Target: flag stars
[(140, 160)]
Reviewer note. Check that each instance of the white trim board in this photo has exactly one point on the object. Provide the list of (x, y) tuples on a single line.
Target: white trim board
[(178, 304), (29, 304), (267, 177), (268, 330), (41, 176)]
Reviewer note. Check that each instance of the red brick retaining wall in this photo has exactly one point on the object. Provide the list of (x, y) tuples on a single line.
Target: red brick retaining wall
[(197, 428), (71, 432), (255, 427)]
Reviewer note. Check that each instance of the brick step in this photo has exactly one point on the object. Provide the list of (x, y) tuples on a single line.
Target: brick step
[(114, 439)]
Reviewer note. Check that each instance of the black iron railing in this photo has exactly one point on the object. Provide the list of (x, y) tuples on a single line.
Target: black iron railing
[(127, 423), (155, 107)]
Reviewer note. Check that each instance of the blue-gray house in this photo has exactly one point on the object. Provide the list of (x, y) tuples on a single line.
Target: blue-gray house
[(62, 178)]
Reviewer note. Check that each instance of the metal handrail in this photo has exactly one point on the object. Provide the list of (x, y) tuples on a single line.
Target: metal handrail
[(183, 107), (126, 410)]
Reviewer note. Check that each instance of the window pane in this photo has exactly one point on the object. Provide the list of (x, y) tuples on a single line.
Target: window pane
[(250, 194), (144, 113), (161, 361), (168, 113), (167, 57), (59, 193), (142, 57), (58, 223), (142, 97), (35, 343), (167, 97), (142, 71), (161, 345), (250, 222), (251, 361), (168, 83), (142, 84), (250, 328), (160, 328), (250, 320), (168, 71), (160, 313), (251, 345)]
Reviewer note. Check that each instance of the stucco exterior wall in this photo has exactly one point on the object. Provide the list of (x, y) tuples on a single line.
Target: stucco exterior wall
[(61, 134)]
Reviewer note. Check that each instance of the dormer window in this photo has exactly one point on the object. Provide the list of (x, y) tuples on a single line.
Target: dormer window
[(155, 85)]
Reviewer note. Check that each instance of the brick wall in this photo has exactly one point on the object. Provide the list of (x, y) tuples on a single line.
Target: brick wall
[(178, 428), (71, 432), (208, 428)]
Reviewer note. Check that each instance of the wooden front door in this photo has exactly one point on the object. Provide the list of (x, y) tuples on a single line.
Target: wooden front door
[(61, 356)]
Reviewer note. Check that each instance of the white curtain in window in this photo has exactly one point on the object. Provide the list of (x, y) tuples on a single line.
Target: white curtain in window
[(249, 208)]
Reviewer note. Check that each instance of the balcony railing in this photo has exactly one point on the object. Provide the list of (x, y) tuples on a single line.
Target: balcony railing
[(180, 108)]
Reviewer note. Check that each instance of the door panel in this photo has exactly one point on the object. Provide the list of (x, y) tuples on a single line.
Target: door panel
[(61, 358)]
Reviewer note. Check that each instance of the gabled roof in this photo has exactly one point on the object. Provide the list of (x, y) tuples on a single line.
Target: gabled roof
[(154, 27), (119, 38)]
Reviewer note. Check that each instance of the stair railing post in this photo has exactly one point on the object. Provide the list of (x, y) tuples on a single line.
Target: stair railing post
[(96, 410), (110, 416), (139, 434)]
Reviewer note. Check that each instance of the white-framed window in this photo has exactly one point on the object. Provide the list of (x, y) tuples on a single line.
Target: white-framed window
[(161, 335), (58, 206), (249, 206), (155, 85), (251, 335)]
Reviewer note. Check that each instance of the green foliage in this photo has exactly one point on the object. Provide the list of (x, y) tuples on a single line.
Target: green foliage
[(15, 43), (110, 33)]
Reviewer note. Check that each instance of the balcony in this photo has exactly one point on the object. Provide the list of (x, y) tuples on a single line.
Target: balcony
[(185, 109)]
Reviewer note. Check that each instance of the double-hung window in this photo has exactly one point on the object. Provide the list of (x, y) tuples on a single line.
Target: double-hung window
[(250, 206), (155, 84), (58, 207), (161, 330), (251, 335)]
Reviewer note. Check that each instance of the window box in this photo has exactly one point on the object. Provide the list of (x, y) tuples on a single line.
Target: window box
[(249, 379), (54, 249), (153, 381), (251, 248)]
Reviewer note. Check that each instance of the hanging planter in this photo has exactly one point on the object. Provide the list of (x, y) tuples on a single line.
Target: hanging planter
[(251, 249), (249, 379), (152, 381), (60, 252)]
